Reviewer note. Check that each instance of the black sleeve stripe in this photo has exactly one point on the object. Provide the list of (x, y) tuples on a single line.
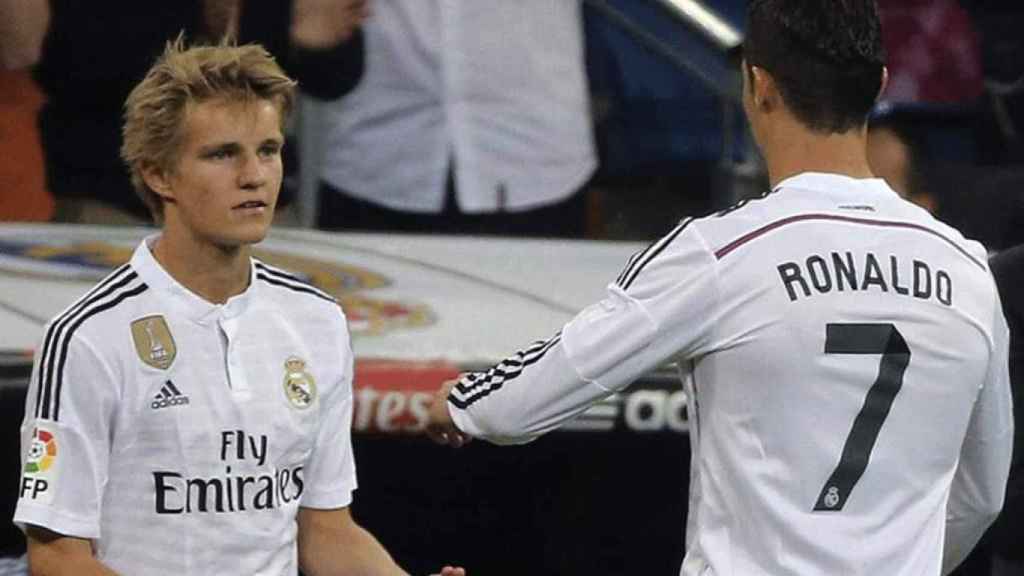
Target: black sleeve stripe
[(64, 347), (476, 386), (61, 319), (304, 288), (515, 364), (632, 261), (658, 248), (279, 274), (56, 331)]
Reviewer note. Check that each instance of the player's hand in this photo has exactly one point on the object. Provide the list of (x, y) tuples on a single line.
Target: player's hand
[(440, 427), (323, 24), (451, 571)]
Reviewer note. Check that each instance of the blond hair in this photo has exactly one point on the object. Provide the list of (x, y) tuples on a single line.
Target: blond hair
[(155, 111)]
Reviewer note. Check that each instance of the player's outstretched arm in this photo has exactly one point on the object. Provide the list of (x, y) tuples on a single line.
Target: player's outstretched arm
[(662, 308), (54, 554), (331, 543)]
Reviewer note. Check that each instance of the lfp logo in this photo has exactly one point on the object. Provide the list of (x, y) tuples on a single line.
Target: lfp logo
[(42, 452)]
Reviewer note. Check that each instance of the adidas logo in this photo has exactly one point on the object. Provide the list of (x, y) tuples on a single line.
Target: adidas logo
[(169, 396)]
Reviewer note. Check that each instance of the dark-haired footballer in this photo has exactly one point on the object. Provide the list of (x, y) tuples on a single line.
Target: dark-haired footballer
[(843, 352)]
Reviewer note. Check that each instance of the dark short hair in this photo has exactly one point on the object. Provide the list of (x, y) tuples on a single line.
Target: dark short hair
[(825, 55)]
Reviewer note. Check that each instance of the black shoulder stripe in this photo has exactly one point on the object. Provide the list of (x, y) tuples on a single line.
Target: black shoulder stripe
[(288, 277), (300, 287), (643, 258), (49, 405), (743, 203), (64, 348), (280, 273), (476, 386), (73, 309), (115, 281), (274, 271), (658, 247), (632, 262)]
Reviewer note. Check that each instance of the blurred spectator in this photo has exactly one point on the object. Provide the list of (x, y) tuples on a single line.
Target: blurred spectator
[(933, 53), (896, 155), (1001, 110), (94, 52), (928, 155), (1008, 269), (1000, 147), (22, 193), (22, 26), (472, 117)]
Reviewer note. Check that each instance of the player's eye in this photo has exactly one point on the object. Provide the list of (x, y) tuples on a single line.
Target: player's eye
[(270, 149), (219, 154)]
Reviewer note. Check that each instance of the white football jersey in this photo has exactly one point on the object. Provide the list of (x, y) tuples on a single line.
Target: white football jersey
[(845, 356), (182, 436)]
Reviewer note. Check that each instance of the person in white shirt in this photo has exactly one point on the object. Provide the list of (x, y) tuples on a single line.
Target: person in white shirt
[(191, 413), (843, 352), (469, 117)]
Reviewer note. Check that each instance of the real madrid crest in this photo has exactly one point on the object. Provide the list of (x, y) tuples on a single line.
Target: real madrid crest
[(299, 386), (153, 342)]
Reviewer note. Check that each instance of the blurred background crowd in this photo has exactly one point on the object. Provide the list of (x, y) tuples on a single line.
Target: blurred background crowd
[(568, 118), (601, 119)]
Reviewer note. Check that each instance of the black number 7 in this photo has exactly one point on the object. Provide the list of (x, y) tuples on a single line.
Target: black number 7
[(882, 339)]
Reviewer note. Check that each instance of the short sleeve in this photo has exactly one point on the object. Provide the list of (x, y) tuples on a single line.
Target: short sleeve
[(65, 438), (331, 471)]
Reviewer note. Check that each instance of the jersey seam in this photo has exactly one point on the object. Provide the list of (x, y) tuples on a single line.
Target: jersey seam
[(715, 264)]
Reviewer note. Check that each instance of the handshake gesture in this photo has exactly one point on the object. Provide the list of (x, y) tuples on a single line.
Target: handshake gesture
[(440, 426)]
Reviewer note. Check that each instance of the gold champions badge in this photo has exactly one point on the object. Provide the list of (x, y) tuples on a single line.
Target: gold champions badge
[(299, 386), (153, 342)]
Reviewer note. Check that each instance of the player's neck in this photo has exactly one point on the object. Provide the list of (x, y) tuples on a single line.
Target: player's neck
[(794, 150), (215, 273)]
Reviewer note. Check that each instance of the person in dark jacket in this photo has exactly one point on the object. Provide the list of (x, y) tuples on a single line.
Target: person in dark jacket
[(94, 52)]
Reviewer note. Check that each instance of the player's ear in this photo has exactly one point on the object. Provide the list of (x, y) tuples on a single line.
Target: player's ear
[(158, 179), (884, 84), (764, 91)]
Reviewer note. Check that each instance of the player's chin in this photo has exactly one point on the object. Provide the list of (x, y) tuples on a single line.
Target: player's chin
[(245, 234)]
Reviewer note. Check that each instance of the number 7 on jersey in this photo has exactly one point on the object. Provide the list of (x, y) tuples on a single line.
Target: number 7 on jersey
[(882, 339)]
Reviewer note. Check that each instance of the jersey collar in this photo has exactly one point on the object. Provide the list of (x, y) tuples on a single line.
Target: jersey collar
[(187, 302), (831, 182)]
